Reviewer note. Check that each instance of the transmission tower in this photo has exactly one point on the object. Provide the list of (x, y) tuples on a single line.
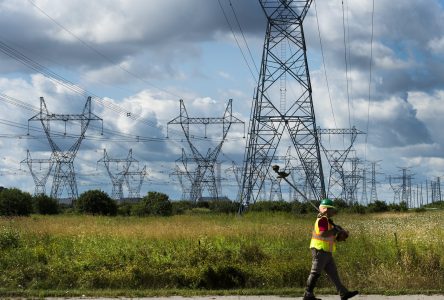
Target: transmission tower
[(63, 157), (39, 175), (236, 170), (118, 176), (277, 109), (436, 190), (352, 178), (180, 174), (364, 197), (134, 180), (402, 187), (373, 191), (204, 175), (337, 158)]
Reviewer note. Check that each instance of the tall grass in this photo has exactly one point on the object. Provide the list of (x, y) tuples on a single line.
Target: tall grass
[(400, 252)]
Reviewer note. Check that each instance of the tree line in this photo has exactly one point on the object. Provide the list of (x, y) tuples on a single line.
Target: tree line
[(14, 202)]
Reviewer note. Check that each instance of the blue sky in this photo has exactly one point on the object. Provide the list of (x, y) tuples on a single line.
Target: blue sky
[(143, 56)]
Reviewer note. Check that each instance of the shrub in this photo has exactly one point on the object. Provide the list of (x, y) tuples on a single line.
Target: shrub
[(45, 205), (179, 207), (398, 207), (14, 202), (9, 238), (357, 208), (224, 277), (125, 208), (203, 204), (154, 203), (96, 202), (224, 206), (378, 206), (301, 207), (271, 206), (340, 203)]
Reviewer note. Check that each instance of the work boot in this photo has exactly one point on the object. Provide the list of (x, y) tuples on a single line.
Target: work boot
[(349, 295)]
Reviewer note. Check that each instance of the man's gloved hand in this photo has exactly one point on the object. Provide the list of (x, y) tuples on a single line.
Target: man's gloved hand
[(342, 235)]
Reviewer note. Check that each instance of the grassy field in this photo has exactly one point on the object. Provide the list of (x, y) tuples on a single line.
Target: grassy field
[(192, 254)]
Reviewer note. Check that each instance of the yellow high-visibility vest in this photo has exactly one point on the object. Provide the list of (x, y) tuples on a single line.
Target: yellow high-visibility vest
[(322, 243)]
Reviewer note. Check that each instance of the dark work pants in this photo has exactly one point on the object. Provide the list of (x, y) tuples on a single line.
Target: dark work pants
[(321, 261)]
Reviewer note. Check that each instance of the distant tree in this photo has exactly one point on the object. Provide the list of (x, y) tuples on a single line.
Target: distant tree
[(97, 203), (155, 204), (224, 206), (45, 205), (378, 206), (180, 207), (271, 206), (14, 202)]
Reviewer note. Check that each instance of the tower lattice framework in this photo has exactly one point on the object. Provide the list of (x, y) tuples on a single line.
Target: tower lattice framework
[(373, 190), (283, 101), (117, 178), (204, 177), (63, 157), (337, 158), (39, 175), (134, 181)]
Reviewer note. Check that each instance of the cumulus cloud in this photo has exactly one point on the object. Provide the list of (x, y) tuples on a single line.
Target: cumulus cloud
[(141, 57)]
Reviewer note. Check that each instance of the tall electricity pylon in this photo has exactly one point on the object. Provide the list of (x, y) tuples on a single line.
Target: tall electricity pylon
[(402, 186), (436, 190), (337, 158), (64, 173), (118, 176), (364, 197), (39, 175), (236, 170), (180, 174), (134, 180), (373, 191), (204, 175), (352, 178), (277, 109)]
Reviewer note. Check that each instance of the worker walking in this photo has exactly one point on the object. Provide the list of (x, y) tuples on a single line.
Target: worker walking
[(323, 245)]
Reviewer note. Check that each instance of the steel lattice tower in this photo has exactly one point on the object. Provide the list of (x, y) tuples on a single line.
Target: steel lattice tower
[(64, 173), (277, 109), (204, 177), (337, 158), (179, 173), (134, 181), (40, 175), (236, 170), (352, 178), (117, 178), (364, 197), (373, 191)]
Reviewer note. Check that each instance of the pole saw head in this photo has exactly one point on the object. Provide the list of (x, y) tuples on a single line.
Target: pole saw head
[(281, 174)]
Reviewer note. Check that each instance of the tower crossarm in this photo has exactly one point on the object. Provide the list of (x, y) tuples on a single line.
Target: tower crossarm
[(285, 9)]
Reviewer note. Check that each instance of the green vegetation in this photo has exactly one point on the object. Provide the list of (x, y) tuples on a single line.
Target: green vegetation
[(45, 205), (14, 202), (191, 253), (154, 204), (96, 202), (163, 247)]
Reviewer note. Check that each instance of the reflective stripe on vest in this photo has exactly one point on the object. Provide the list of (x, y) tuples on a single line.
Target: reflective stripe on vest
[(322, 243)]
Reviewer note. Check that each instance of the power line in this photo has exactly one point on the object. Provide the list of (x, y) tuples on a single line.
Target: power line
[(346, 63), (324, 65), (237, 42), (100, 53), (60, 80), (369, 82), (243, 36)]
